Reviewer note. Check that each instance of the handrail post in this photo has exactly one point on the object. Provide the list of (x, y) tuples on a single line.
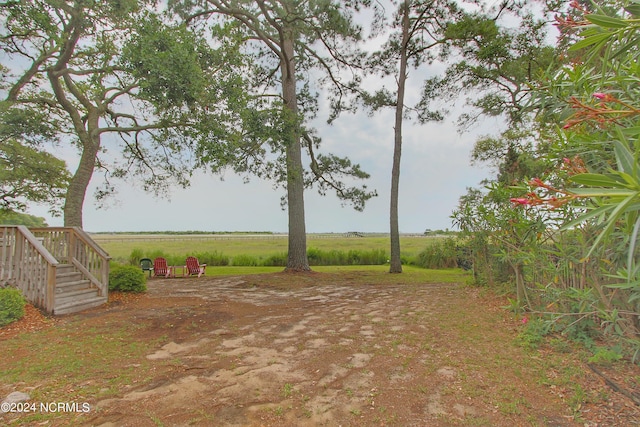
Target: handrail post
[(50, 295), (17, 253), (72, 245)]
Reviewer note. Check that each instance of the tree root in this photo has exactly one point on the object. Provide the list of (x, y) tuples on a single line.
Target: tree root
[(633, 396)]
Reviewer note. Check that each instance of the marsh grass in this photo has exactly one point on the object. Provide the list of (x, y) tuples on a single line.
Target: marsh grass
[(269, 250)]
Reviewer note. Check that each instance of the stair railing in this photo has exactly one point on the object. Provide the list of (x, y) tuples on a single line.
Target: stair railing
[(28, 265), (72, 245)]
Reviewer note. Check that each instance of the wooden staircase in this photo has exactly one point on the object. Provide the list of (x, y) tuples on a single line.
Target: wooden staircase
[(58, 269), (74, 292)]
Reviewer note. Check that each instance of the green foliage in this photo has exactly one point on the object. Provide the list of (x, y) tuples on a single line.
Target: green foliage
[(213, 258), (136, 256), (137, 74), (351, 257), (241, 251), (606, 356), (127, 278), (16, 218), (167, 62), (515, 306), (11, 305), (564, 210), (276, 260), (245, 261), (443, 253), (533, 333), (499, 62), (28, 174)]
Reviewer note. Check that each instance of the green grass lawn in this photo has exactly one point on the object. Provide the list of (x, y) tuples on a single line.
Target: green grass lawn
[(377, 273)]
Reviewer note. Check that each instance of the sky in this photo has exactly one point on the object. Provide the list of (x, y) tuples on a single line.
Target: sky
[(435, 172)]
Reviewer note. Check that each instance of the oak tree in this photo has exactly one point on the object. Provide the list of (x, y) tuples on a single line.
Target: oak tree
[(27, 172), (113, 71)]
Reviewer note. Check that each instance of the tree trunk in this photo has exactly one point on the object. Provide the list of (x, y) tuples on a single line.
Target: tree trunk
[(74, 199), (521, 287), (297, 254), (396, 262)]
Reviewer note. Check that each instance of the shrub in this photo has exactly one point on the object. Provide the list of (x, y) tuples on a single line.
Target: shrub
[(352, 257), (532, 336), (371, 257), (276, 260), (11, 305), (127, 278), (245, 261), (606, 356), (211, 258), (136, 256), (441, 253)]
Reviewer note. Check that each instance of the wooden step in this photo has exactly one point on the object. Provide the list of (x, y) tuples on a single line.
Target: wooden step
[(72, 276), (73, 292), (75, 285), (75, 295), (79, 305), (65, 268)]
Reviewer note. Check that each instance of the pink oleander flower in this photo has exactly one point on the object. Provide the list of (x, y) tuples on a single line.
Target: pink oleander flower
[(604, 97), (537, 182), (520, 201)]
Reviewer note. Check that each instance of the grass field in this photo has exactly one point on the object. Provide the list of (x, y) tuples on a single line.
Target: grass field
[(121, 246), (411, 274)]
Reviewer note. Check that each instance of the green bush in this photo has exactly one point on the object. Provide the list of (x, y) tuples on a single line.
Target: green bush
[(210, 258), (127, 278), (352, 257), (136, 256), (11, 305), (245, 261), (532, 336), (606, 356), (371, 257), (442, 253), (276, 260)]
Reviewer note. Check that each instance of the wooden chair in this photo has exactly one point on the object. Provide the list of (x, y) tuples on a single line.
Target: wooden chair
[(160, 268), (193, 267)]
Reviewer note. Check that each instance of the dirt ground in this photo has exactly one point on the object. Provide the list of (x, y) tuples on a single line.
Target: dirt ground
[(320, 350)]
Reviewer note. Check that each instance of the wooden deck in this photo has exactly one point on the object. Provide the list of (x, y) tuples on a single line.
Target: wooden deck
[(60, 270)]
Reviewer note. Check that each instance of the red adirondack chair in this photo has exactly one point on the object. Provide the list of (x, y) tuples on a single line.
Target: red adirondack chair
[(193, 267), (160, 268)]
